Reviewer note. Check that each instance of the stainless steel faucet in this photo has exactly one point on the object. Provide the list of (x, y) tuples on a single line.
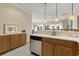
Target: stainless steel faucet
[(53, 32)]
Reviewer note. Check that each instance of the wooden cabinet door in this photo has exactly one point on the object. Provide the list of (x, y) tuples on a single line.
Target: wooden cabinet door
[(47, 49), (14, 41), (22, 39), (65, 48), (58, 47), (78, 50), (4, 43), (63, 51)]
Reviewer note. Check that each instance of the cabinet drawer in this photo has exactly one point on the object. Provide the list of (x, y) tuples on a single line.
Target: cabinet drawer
[(49, 40)]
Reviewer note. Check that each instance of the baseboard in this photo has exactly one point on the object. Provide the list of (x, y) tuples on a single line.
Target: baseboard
[(34, 54)]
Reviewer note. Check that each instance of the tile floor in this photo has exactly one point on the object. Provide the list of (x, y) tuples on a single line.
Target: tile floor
[(21, 51)]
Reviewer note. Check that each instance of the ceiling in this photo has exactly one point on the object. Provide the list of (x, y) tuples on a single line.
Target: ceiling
[(38, 10)]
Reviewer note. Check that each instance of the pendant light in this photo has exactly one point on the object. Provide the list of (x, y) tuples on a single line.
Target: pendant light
[(56, 17), (72, 17), (45, 21)]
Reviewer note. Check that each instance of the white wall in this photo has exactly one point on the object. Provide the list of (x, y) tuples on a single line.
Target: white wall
[(12, 15)]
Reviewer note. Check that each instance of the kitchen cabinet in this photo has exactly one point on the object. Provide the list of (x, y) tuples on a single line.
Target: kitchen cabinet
[(78, 49), (47, 49), (17, 40), (9, 42), (63, 51), (4, 43), (65, 48), (58, 47), (14, 41), (22, 38)]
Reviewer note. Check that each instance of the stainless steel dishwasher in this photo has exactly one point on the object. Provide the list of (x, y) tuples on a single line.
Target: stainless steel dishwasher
[(36, 45)]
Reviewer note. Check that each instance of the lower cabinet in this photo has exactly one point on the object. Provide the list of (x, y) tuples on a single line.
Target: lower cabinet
[(4, 43), (14, 41), (58, 47), (22, 39), (63, 51), (8, 42), (78, 50), (47, 49), (17, 40)]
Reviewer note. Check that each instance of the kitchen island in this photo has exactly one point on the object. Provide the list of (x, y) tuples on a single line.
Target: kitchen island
[(58, 45)]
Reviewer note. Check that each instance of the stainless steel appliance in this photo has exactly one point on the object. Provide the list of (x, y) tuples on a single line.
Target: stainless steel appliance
[(36, 44)]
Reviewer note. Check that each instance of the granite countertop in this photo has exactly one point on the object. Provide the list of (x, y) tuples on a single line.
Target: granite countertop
[(76, 39), (10, 33)]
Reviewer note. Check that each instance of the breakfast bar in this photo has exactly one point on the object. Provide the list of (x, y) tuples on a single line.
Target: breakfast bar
[(58, 45)]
